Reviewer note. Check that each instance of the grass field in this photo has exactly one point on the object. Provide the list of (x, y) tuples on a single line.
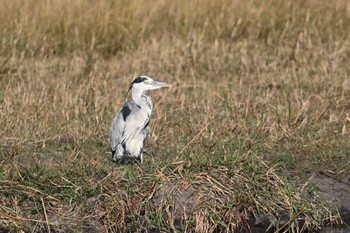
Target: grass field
[(259, 102)]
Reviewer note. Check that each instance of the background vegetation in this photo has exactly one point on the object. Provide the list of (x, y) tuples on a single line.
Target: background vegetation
[(260, 101)]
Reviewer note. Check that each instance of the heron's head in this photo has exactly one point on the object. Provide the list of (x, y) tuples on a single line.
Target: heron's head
[(145, 83)]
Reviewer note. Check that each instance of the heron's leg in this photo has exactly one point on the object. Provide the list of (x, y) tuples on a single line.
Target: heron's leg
[(118, 160), (129, 160), (141, 158), (133, 160)]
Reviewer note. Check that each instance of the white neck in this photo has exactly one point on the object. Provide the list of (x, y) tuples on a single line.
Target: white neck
[(142, 100)]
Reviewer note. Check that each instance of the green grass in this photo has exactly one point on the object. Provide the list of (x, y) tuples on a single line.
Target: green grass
[(259, 99)]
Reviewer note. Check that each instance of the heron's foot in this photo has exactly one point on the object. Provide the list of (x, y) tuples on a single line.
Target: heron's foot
[(127, 160)]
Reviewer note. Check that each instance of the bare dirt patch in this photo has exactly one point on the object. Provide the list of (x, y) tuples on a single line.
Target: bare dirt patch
[(335, 190), (183, 200)]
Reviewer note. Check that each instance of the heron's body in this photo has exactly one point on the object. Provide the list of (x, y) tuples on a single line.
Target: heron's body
[(130, 125)]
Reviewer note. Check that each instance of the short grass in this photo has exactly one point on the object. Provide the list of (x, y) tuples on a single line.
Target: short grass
[(260, 100)]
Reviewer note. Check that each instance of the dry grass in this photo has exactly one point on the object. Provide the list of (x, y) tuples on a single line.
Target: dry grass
[(260, 98)]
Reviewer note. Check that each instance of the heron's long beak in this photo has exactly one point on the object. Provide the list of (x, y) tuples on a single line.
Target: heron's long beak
[(156, 85)]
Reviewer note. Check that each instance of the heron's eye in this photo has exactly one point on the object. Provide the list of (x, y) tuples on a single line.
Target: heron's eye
[(146, 82)]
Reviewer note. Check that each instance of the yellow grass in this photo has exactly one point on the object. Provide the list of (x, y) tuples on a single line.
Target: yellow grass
[(260, 97)]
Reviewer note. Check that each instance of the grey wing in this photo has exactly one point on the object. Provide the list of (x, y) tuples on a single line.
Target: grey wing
[(146, 129), (117, 130)]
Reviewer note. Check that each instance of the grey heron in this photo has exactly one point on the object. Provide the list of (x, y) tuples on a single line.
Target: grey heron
[(130, 125)]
